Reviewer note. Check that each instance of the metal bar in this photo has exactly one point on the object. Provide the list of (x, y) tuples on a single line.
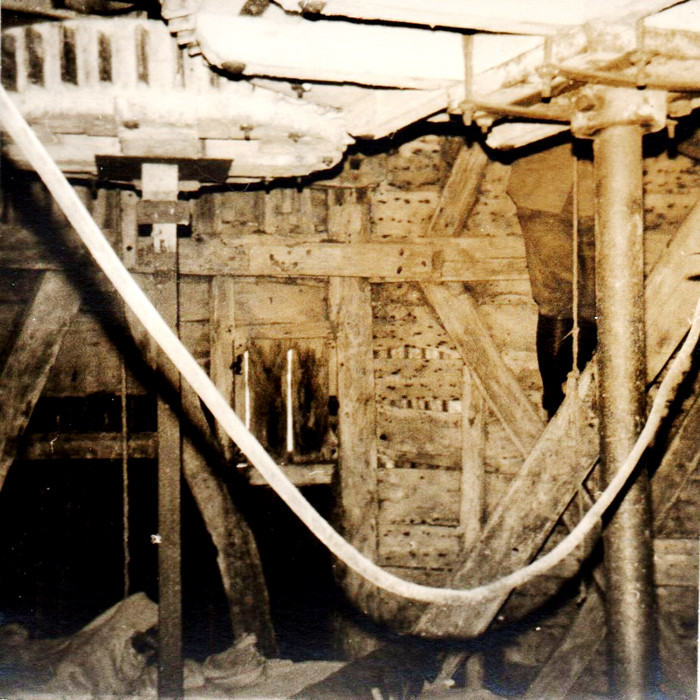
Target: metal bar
[(622, 374)]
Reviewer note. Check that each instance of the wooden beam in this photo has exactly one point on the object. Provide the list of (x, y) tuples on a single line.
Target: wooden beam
[(459, 193), (574, 653), (98, 446), (459, 315), (672, 292), (432, 259), (350, 307), (237, 552), (33, 355)]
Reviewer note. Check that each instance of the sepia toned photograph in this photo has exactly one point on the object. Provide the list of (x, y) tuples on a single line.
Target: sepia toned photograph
[(349, 349)]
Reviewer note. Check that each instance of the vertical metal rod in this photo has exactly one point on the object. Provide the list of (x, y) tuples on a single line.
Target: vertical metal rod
[(622, 373)]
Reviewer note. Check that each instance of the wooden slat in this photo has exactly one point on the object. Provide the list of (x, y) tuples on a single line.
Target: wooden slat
[(544, 486), (33, 355), (419, 497), (418, 546)]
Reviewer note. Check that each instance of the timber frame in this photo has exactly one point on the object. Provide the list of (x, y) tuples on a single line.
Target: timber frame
[(300, 296)]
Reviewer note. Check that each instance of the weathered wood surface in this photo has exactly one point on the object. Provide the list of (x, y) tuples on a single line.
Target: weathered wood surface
[(425, 437), (350, 306), (677, 467), (472, 501), (575, 652), (465, 259), (459, 314), (672, 292), (26, 369)]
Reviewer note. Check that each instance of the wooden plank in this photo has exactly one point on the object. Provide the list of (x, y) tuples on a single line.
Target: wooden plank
[(676, 562), (26, 369), (299, 475), (272, 47), (98, 446), (418, 497), (519, 526), (418, 546), (423, 437), (575, 651), (267, 367), (466, 259), (460, 192), (460, 316)]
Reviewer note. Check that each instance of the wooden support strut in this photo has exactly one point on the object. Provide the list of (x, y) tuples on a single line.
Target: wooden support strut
[(27, 368)]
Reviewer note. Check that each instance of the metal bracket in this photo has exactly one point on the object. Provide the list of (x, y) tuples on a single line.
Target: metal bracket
[(598, 106)]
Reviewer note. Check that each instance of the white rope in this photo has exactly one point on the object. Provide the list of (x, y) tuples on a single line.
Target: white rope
[(144, 310)]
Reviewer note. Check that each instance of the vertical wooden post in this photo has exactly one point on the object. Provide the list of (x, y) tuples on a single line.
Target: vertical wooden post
[(222, 339), (350, 305), (473, 438), (160, 183)]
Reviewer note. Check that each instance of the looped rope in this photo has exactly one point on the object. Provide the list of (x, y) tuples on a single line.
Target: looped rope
[(143, 309)]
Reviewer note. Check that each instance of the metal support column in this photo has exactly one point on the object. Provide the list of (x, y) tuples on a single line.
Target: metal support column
[(622, 396)]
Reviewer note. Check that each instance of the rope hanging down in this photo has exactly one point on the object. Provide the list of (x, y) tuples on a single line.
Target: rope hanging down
[(143, 309)]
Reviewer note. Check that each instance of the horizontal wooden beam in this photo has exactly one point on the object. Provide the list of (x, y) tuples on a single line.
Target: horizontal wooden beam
[(99, 446), (430, 259)]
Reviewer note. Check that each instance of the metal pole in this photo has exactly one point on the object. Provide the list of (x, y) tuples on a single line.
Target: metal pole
[(622, 397)]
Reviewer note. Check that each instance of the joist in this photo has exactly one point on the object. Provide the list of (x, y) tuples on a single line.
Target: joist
[(33, 355)]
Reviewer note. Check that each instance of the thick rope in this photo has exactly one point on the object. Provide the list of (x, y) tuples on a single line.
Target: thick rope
[(143, 309)]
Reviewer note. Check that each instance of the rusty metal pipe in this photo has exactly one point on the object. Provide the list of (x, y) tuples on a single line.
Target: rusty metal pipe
[(622, 397)]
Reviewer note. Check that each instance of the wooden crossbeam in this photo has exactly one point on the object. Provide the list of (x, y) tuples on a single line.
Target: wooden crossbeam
[(433, 259), (33, 355)]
